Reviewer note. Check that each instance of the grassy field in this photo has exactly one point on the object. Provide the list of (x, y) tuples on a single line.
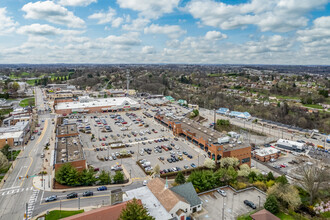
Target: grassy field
[(54, 215), (282, 215), (30, 82), (286, 97), (25, 102), (5, 111), (313, 106)]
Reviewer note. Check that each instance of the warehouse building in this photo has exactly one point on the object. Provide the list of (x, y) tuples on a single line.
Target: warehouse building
[(291, 145), (214, 143), (87, 104)]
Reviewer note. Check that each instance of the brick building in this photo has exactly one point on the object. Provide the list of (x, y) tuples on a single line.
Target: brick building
[(68, 147), (214, 143), (266, 154), (15, 135)]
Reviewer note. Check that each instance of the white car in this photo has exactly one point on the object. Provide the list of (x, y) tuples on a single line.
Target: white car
[(222, 192), (145, 182)]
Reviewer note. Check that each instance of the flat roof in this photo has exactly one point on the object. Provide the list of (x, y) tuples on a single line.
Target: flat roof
[(67, 129), (105, 102), (16, 134), (149, 201), (266, 151), (19, 126), (69, 149)]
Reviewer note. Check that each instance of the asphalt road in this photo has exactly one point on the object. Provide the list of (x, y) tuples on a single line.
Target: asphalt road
[(16, 192)]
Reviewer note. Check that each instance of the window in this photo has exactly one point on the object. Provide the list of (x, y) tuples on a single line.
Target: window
[(245, 160)]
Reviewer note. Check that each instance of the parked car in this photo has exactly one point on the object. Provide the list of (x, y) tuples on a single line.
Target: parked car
[(145, 182), (249, 203), (193, 165), (72, 195), (51, 198), (222, 192), (102, 188), (88, 193)]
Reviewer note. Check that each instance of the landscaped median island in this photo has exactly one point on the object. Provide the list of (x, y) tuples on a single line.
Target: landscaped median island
[(58, 214), (27, 102)]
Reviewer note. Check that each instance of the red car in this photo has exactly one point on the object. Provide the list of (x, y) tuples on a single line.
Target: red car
[(124, 123), (103, 139), (103, 144), (36, 131), (282, 165)]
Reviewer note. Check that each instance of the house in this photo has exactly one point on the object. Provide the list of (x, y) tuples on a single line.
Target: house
[(179, 201), (105, 213), (264, 215)]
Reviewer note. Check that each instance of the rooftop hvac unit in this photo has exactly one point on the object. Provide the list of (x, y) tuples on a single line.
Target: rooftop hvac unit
[(199, 128)]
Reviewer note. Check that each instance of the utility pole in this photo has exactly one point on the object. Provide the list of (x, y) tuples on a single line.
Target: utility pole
[(223, 208), (215, 119), (79, 203), (26, 211), (60, 208), (128, 79)]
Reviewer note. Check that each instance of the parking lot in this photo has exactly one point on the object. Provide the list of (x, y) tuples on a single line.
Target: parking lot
[(233, 204), (141, 137)]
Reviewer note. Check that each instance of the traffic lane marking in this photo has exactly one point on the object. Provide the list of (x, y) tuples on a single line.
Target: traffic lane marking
[(66, 200)]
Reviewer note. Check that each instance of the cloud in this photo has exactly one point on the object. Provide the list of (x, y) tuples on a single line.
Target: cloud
[(148, 50), (215, 35), (53, 13), (148, 8), (173, 31), (76, 2), (270, 15), (7, 24), (44, 30), (137, 24), (104, 18), (129, 39)]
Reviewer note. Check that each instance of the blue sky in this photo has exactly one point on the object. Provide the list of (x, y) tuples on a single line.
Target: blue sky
[(165, 31)]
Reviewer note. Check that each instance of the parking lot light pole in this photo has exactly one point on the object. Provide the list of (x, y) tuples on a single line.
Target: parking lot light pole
[(259, 201)]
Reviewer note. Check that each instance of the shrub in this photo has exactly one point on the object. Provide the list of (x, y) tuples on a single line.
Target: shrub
[(260, 185), (270, 183)]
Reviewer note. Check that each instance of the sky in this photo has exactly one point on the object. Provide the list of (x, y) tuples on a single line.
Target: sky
[(284, 32)]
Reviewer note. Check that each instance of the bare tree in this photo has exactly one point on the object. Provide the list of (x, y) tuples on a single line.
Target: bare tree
[(312, 177)]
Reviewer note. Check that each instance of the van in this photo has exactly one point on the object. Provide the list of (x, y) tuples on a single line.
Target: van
[(272, 160)]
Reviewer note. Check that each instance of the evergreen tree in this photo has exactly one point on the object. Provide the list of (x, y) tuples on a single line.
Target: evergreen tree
[(118, 177), (67, 175), (135, 211), (180, 179), (282, 180), (271, 204), (87, 177), (270, 176), (105, 177)]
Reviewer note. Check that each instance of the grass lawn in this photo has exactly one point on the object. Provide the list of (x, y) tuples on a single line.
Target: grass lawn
[(286, 97), (30, 82), (282, 215), (54, 215), (14, 77), (5, 111), (25, 102), (313, 106)]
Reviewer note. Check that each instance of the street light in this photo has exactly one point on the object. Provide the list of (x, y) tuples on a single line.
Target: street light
[(259, 201)]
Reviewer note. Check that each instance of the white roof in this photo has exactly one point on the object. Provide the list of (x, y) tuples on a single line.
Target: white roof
[(149, 201), (15, 135), (117, 101), (288, 142), (266, 151)]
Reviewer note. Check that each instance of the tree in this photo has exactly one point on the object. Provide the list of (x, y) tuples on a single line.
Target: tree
[(135, 211), (157, 170), (87, 177), (67, 175), (105, 177), (5, 151), (282, 180), (180, 179), (287, 195), (3, 161), (271, 204), (252, 176), (15, 86), (118, 177), (209, 163), (244, 170), (202, 180), (312, 177), (232, 173), (270, 176), (229, 162)]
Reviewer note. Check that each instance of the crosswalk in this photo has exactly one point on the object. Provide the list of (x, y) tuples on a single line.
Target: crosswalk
[(32, 202), (10, 191)]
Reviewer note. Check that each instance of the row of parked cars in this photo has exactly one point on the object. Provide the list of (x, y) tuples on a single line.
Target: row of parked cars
[(75, 195)]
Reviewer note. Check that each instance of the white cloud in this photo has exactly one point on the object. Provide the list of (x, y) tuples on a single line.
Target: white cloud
[(129, 39), (173, 31), (117, 22), (53, 13), (44, 30), (136, 25), (7, 24), (151, 9), (104, 17), (215, 35), (76, 2), (270, 15), (148, 50)]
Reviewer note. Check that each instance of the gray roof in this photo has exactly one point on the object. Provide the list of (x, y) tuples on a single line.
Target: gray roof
[(188, 192)]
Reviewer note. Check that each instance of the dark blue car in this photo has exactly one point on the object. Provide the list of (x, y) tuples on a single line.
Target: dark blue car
[(102, 188)]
